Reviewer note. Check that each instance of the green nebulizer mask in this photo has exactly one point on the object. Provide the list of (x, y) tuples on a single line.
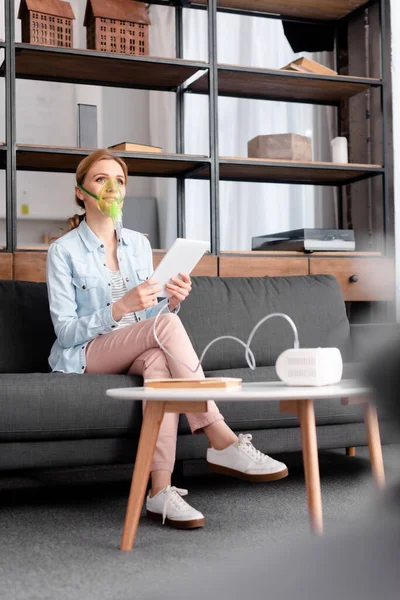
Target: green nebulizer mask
[(109, 201)]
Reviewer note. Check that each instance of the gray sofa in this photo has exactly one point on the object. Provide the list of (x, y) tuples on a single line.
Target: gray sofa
[(65, 420)]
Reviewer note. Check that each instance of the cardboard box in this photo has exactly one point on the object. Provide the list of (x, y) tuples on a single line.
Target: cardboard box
[(285, 146)]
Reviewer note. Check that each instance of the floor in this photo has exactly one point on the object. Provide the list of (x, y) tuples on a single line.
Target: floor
[(61, 531)]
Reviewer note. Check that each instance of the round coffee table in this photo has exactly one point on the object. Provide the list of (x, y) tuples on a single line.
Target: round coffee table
[(296, 400)]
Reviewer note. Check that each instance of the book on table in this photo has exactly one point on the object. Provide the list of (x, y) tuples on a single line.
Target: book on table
[(133, 147), (208, 382)]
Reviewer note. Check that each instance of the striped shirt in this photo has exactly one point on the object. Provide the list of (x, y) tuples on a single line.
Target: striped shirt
[(119, 289)]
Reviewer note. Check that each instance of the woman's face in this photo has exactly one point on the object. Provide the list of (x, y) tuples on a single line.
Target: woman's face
[(94, 181)]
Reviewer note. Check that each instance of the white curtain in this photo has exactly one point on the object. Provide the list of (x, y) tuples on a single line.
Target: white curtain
[(246, 209)]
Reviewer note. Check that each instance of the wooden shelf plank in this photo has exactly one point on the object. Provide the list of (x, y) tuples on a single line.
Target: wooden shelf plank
[(324, 10), (65, 160), (99, 68), (276, 171), (272, 84)]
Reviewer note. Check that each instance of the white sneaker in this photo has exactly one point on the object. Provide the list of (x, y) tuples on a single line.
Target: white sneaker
[(169, 507), (243, 461)]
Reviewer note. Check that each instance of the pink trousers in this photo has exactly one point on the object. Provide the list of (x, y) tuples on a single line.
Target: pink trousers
[(133, 350)]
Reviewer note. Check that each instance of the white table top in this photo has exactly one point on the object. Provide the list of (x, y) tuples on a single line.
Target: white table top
[(247, 391)]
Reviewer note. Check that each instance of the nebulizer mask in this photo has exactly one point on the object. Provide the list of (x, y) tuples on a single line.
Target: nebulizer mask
[(109, 201)]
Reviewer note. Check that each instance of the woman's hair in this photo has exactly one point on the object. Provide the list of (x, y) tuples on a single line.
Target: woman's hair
[(84, 166)]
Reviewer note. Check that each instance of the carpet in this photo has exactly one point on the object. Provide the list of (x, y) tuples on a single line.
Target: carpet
[(61, 530)]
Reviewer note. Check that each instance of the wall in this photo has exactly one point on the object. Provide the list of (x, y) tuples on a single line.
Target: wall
[(47, 114)]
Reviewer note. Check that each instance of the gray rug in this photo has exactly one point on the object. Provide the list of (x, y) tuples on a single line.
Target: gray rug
[(61, 531)]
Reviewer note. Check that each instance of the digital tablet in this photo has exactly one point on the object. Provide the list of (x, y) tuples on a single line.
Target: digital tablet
[(182, 257)]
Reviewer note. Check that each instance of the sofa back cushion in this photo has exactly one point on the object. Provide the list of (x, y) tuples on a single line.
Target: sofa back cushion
[(216, 306), (233, 305), (26, 330)]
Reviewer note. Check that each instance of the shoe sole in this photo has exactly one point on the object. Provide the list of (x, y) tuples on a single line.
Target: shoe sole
[(248, 476), (192, 524)]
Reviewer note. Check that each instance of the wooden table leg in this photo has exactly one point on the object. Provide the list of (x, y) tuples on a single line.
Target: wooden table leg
[(153, 415), (311, 467), (374, 444)]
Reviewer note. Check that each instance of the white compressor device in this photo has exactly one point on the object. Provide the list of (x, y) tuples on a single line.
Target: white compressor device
[(310, 366)]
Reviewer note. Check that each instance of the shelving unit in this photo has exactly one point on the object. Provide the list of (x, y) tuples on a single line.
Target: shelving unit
[(179, 76)]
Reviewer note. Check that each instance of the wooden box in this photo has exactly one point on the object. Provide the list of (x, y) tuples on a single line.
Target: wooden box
[(285, 146)]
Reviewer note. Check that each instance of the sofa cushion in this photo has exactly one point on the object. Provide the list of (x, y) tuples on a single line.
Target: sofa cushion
[(26, 330), (233, 305), (59, 406)]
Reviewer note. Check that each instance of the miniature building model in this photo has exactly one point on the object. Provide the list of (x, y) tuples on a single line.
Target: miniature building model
[(117, 26), (47, 22)]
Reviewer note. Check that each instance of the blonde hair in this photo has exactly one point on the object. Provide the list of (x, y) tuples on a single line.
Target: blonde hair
[(84, 166)]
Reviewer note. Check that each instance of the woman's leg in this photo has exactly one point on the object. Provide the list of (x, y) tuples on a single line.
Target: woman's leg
[(134, 350), (175, 339), (116, 352), (152, 365), (125, 351)]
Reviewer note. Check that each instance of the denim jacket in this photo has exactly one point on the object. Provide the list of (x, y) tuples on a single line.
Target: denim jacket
[(79, 289)]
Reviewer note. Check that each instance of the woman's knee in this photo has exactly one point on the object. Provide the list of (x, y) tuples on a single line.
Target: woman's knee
[(170, 320), (169, 323), (151, 359)]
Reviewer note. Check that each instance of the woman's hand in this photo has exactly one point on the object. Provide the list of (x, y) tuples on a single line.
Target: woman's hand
[(180, 290), (140, 297)]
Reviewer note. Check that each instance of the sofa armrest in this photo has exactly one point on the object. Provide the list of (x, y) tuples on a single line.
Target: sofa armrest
[(367, 339)]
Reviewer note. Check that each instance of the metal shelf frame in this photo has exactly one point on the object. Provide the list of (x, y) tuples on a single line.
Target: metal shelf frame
[(210, 167)]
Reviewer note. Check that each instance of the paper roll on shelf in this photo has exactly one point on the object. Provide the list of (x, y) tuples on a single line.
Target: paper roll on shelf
[(340, 152)]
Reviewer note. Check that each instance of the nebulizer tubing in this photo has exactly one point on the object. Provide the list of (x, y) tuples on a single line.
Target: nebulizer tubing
[(249, 356)]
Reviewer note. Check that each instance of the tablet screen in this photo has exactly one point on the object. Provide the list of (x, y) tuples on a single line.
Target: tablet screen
[(182, 257)]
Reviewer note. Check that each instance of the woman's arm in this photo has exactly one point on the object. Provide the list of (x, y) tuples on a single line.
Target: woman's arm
[(70, 329)]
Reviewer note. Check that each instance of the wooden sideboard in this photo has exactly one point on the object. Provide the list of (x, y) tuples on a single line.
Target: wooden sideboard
[(6, 265), (31, 266), (363, 277)]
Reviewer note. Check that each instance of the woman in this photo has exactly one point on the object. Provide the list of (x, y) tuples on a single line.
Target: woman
[(103, 306)]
